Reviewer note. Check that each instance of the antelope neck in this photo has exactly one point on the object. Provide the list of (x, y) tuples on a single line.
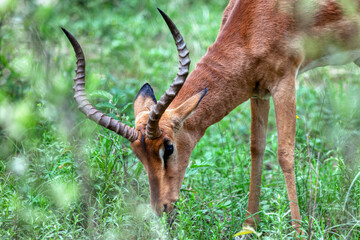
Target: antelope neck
[(226, 90)]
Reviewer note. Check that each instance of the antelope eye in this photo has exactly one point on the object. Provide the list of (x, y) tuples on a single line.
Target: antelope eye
[(169, 149)]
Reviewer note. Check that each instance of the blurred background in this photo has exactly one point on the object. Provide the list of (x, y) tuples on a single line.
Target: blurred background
[(62, 176)]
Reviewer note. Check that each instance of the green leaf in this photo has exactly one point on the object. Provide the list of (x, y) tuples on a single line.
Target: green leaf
[(103, 94), (125, 107), (105, 105), (113, 115), (138, 170)]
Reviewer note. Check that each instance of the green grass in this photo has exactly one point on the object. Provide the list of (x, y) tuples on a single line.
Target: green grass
[(61, 176)]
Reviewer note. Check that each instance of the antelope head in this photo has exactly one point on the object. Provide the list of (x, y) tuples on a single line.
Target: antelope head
[(158, 139)]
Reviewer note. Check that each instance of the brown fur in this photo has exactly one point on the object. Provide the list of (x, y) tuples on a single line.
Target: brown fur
[(260, 47)]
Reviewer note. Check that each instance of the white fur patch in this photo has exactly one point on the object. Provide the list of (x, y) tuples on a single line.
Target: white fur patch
[(161, 154)]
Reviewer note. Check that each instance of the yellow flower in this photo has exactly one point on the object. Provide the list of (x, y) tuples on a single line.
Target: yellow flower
[(247, 230)]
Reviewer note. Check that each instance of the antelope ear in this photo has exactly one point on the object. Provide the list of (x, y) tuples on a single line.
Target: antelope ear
[(181, 113), (144, 100)]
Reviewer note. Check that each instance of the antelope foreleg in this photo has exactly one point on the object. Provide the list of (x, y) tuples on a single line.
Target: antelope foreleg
[(259, 119), (284, 97)]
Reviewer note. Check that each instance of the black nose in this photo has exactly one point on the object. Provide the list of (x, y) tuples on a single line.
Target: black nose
[(165, 208)]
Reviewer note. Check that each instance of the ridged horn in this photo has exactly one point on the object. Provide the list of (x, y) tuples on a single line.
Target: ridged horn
[(152, 128), (85, 106)]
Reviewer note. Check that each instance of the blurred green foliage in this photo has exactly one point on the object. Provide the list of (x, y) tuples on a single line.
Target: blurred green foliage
[(61, 176)]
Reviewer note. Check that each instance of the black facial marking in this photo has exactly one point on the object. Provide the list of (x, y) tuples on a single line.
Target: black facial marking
[(142, 138), (146, 91), (143, 141)]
